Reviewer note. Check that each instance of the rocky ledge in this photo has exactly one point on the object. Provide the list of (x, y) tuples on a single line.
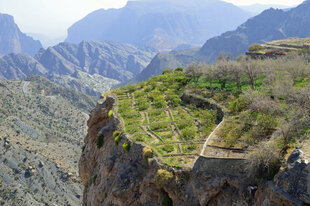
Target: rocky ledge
[(118, 171)]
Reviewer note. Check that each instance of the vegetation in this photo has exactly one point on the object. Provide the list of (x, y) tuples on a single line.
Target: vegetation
[(163, 177), (126, 147), (154, 113), (147, 152), (259, 97)]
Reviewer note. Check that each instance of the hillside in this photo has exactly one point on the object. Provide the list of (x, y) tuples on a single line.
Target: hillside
[(272, 24), (42, 126), (19, 66), (90, 67), (203, 135), (12, 40), (161, 25), (109, 59)]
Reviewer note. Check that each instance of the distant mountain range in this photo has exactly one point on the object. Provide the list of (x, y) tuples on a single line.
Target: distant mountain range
[(258, 8), (159, 24), (12, 40), (82, 67), (270, 25)]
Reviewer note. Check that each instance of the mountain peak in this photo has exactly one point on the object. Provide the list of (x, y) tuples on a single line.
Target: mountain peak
[(12, 40)]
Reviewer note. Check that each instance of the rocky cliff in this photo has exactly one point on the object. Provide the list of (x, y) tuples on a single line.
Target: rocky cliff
[(120, 175), (12, 40)]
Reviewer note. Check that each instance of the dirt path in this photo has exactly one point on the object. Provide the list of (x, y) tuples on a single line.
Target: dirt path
[(209, 137)]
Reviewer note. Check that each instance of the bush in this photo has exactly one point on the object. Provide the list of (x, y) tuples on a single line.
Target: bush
[(110, 113), (168, 148), (238, 105), (126, 147), (179, 69), (159, 101), (167, 71), (116, 133), (255, 47), (100, 141), (188, 133), (264, 162), (163, 177), (147, 152)]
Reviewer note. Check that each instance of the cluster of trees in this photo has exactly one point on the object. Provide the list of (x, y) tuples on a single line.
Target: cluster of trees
[(267, 94)]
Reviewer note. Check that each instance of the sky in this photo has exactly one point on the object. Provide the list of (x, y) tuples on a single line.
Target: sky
[(53, 17)]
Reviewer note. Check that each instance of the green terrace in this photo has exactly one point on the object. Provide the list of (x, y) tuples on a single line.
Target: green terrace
[(154, 114)]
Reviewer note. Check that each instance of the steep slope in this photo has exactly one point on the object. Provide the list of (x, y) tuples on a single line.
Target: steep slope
[(42, 126), (270, 25), (162, 25), (93, 85), (12, 40), (19, 66), (109, 59)]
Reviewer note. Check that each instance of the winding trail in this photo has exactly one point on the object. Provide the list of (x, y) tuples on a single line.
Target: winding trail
[(209, 137)]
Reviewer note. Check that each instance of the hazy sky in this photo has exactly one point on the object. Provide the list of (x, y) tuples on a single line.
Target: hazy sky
[(53, 17)]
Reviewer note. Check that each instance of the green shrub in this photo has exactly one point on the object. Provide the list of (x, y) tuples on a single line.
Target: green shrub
[(163, 177), (159, 101), (116, 133), (168, 148), (238, 105), (126, 147), (179, 69), (110, 113), (255, 47), (100, 141), (167, 71), (147, 152), (117, 140), (188, 133)]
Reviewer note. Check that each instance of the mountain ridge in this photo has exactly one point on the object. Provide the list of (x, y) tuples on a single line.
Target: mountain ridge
[(166, 24), (272, 24), (12, 40)]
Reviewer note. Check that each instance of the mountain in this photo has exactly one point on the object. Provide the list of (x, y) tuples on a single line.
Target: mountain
[(93, 85), (271, 24), (19, 66), (109, 59), (42, 126), (258, 8), (90, 67), (12, 40), (159, 24)]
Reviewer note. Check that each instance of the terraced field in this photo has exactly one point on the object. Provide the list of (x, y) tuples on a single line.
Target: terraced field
[(154, 114)]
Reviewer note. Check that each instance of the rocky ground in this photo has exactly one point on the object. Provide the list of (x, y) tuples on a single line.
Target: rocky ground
[(42, 127)]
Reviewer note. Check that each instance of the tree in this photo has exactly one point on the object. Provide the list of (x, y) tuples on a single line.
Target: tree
[(195, 71), (252, 69)]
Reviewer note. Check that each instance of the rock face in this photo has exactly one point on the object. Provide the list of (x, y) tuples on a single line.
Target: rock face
[(12, 40), (109, 59), (159, 24), (19, 66), (112, 176)]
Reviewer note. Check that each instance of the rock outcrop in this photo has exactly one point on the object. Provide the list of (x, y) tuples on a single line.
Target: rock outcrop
[(115, 176)]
